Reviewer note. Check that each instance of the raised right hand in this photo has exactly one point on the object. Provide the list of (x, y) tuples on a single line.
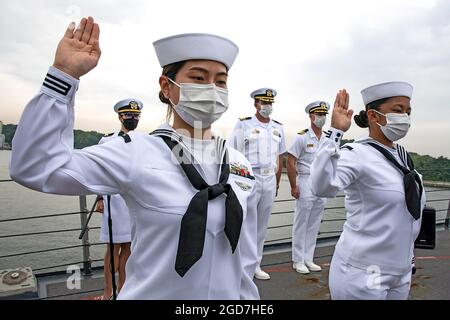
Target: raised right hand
[(341, 117), (78, 52)]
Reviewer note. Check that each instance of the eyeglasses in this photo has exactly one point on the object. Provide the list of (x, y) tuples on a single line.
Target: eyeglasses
[(127, 115)]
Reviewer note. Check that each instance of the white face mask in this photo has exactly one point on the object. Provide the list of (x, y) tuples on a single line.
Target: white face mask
[(319, 121), (397, 125), (266, 110), (200, 104)]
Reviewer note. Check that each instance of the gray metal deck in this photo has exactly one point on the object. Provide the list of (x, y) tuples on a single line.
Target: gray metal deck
[(431, 282)]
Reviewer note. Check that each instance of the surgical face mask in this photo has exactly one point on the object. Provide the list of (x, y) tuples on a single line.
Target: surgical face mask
[(130, 124), (266, 110), (397, 125), (200, 104), (319, 121)]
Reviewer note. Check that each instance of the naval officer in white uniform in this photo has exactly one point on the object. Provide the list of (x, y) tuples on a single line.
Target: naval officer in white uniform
[(384, 195), (192, 223), (129, 113), (262, 140), (308, 207)]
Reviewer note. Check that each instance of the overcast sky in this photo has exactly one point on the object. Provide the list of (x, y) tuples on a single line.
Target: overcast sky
[(306, 50)]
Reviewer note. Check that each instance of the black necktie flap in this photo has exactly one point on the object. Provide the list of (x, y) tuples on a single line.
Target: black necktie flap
[(411, 182), (412, 195)]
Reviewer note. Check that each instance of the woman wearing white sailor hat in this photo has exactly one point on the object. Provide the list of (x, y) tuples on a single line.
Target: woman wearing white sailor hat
[(384, 195), (193, 228)]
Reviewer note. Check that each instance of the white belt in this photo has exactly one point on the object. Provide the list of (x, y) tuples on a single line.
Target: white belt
[(265, 171)]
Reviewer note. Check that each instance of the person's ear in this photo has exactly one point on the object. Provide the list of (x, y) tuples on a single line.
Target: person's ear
[(373, 116), (164, 84)]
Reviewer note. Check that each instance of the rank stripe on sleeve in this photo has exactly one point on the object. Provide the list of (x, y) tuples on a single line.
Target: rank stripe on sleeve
[(56, 84)]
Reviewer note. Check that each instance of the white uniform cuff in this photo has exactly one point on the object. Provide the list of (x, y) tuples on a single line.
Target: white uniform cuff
[(59, 85), (335, 135)]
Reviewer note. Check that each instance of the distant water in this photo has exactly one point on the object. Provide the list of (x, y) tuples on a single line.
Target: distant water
[(17, 201)]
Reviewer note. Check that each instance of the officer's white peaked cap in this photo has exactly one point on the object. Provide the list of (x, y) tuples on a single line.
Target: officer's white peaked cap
[(128, 105), (386, 90), (317, 107), (195, 46), (264, 94)]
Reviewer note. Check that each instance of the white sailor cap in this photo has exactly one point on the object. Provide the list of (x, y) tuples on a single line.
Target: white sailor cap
[(264, 94), (317, 107), (386, 90), (128, 105), (195, 46)]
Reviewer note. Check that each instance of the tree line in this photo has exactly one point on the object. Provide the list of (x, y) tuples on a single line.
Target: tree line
[(433, 169)]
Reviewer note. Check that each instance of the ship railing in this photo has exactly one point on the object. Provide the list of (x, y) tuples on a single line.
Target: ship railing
[(85, 245)]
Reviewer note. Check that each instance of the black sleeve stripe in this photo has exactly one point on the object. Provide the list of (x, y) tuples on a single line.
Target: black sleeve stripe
[(59, 80), (57, 85), (55, 89), (48, 81)]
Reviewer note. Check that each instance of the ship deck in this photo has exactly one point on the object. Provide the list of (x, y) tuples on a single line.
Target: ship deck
[(431, 282)]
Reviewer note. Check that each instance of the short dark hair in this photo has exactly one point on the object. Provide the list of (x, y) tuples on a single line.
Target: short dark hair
[(361, 119)]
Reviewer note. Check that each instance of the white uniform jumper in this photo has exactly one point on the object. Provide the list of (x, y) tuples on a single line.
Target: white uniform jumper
[(308, 208), (372, 259), (261, 143), (119, 212), (146, 174)]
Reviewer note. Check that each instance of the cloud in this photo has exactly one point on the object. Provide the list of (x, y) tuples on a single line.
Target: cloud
[(306, 50)]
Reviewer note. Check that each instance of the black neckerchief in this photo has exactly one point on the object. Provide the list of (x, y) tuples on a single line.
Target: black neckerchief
[(411, 181), (193, 223)]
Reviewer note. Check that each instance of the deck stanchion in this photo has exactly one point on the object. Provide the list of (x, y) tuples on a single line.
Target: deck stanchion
[(87, 266)]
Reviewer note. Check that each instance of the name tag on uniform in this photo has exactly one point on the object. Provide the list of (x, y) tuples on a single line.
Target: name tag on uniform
[(311, 145), (255, 131), (276, 133)]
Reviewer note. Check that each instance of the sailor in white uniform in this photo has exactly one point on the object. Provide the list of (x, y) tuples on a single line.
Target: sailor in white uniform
[(308, 207), (384, 195), (189, 198), (129, 112), (262, 140)]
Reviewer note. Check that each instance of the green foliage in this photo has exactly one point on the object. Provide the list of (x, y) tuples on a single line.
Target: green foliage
[(85, 139), (82, 139), (8, 131), (433, 169)]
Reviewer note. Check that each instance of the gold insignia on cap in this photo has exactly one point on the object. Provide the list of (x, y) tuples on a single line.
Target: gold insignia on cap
[(323, 105), (133, 105), (269, 93)]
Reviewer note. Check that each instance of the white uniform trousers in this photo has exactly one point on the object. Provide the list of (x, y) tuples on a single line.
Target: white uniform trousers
[(349, 283), (307, 217), (266, 186)]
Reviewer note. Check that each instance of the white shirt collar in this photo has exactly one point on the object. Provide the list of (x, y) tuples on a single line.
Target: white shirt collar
[(261, 124)]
